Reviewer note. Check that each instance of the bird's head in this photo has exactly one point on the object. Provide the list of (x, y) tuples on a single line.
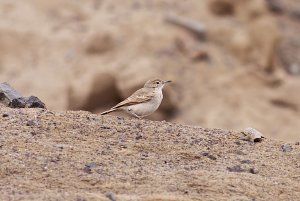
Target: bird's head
[(155, 83)]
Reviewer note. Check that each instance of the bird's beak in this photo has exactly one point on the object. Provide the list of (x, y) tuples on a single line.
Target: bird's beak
[(167, 81)]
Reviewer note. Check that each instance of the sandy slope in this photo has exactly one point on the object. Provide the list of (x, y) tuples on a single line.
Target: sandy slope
[(80, 156)]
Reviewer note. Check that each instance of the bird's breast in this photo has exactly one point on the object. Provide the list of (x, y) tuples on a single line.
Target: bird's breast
[(146, 108)]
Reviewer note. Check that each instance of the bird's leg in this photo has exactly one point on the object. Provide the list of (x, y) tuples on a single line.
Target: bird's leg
[(130, 111)]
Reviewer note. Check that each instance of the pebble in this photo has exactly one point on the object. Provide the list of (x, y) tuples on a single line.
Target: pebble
[(209, 156), (139, 136), (5, 115), (253, 171), (31, 123), (88, 167), (286, 148), (252, 134), (111, 196), (236, 168)]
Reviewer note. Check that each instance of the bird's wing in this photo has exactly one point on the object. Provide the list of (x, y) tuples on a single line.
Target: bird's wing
[(140, 96)]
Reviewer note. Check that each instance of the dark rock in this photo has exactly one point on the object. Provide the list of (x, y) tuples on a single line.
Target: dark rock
[(17, 103), (212, 157), (253, 171), (8, 94), (145, 155), (5, 115), (120, 118), (236, 168), (104, 127), (34, 102), (257, 140), (31, 123), (209, 156), (55, 159), (12, 98), (139, 136), (286, 148), (246, 162), (33, 133), (88, 167)]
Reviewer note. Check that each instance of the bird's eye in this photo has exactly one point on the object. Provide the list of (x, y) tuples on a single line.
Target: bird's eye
[(157, 82)]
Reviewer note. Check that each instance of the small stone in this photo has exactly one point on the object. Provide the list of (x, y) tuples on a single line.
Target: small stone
[(241, 152), (34, 102), (104, 127), (145, 155), (88, 167), (111, 196), (246, 162), (236, 168), (9, 94), (31, 123), (12, 98), (5, 115), (59, 146), (252, 135), (212, 157), (253, 171), (286, 148), (17, 103), (209, 156), (33, 133), (139, 136)]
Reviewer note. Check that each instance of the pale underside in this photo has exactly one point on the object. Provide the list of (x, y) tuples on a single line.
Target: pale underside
[(141, 103)]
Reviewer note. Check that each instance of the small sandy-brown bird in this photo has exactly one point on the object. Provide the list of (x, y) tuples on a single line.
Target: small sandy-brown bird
[(144, 101)]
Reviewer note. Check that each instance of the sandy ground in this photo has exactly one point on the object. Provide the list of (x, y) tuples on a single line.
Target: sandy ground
[(88, 55), (80, 156)]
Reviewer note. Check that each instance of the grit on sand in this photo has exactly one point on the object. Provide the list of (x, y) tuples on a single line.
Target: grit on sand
[(80, 156), (88, 55)]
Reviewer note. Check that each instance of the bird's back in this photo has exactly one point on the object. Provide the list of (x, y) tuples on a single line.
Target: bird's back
[(140, 96)]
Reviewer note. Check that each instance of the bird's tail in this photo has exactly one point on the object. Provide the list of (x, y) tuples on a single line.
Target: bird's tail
[(108, 111)]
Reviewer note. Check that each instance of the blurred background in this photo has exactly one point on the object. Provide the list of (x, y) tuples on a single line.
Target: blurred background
[(233, 63)]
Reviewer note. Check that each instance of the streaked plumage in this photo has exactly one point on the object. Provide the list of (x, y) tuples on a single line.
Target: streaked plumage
[(144, 101)]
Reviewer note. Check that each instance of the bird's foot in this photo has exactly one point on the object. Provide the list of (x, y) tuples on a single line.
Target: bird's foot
[(136, 116)]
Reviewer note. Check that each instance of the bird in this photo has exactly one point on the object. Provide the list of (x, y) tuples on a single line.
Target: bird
[(144, 101)]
